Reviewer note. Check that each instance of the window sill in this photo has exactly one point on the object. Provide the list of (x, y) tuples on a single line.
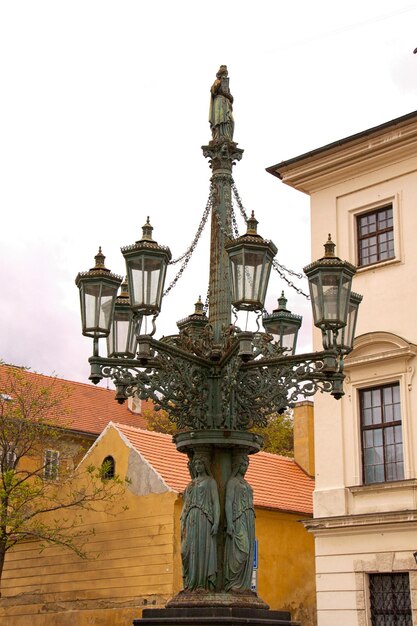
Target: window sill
[(398, 485), (373, 266)]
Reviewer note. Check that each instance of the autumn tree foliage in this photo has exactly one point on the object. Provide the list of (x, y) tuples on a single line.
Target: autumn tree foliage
[(43, 496)]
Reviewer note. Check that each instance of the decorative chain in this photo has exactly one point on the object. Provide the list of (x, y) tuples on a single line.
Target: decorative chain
[(185, 258), (239, 201), (278, 267)]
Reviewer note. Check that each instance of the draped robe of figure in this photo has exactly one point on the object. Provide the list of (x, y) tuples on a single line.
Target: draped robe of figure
[(221, 109), (239, 549), (198, 543)]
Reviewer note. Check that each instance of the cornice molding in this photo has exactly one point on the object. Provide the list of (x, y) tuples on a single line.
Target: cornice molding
[(400, 348), (359, 523), (345, 160)]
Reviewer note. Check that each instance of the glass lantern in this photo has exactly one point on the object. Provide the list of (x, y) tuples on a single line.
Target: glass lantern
[(330, 281), (346, 335), (98, 288), (250, 258), (122, 339), (283, 325), (194, 324), (146, 264)]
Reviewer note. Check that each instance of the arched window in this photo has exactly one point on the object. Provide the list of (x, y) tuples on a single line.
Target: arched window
[(108, 468)]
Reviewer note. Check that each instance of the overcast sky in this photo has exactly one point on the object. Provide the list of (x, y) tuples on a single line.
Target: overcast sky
[(103, 111)]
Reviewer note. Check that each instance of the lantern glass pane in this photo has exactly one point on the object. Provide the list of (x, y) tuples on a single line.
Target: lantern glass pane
[(345, 286), (253, 262), (316, 299), (108, 294), (144, 283), (349, 330), (287, 337), (330, 296), (91, 298), (116, 341), (97, 301), (336, 291), (237, 276)]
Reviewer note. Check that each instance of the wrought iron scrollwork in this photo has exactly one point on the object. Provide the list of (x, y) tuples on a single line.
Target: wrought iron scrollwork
[(267, 389), (179, 374)]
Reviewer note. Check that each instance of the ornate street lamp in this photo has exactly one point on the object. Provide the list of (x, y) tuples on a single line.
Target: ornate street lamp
[(330, 281), (343, 338), (146, 264), (122, 339), (215, 381), (98, 288), (283, 325), (250, 266)]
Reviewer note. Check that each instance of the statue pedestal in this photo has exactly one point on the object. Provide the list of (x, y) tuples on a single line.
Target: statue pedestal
[(214, 616)]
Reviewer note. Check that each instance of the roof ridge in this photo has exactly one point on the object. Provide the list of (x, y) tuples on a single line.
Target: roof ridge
[(143, 430)]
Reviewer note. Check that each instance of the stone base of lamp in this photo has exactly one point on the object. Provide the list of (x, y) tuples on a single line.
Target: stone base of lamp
[(202, 608), (214, 616), (200, 598)]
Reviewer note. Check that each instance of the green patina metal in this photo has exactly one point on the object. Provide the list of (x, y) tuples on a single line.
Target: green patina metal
[(216, 382)]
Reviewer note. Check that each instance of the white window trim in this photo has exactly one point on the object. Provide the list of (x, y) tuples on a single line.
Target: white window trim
[(353, 213), (377, 369)]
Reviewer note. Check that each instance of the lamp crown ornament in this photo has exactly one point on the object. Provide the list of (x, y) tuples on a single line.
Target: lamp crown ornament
[(215, 381), (99, 261), (147, 231), (252, 225), (282, 303), (329, 247)]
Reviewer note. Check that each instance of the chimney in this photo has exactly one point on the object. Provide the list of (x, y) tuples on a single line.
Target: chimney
[(303, 414), (134, 404)]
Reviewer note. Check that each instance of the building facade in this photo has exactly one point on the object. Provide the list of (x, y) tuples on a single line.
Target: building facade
[(135, 554), (363, 191)]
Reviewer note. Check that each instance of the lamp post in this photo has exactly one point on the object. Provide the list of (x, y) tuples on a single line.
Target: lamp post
[(216, 381)]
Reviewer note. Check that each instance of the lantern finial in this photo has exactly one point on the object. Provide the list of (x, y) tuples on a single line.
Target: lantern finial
[(147, 231), (199, 307), (252, 225), (99, 259), (124, 290), (282, 303), (329, 247)]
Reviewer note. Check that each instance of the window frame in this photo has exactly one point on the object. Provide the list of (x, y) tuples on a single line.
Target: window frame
[(111, 471), (377, 233), (375, 612), (48, 463), (383, 426), (353, 207)]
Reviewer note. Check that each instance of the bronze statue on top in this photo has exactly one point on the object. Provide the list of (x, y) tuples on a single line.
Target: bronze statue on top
[(221, 107)]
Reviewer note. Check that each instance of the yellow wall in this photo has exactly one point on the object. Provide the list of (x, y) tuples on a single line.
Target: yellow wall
[(286, 564), (137, 562), (131, 564)]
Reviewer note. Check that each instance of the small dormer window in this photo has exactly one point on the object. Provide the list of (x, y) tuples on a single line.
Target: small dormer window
[(108, 468)]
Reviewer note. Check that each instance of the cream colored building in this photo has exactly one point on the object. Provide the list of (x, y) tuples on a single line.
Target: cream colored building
[(363, 191)]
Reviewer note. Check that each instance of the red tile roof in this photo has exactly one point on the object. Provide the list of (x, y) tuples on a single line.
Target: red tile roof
[(277, 481), (87, 408)]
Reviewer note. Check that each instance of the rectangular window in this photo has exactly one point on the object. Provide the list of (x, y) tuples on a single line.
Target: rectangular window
[(51, 464), (375, 236), (382, 446), (8, 458), (390, 600)]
